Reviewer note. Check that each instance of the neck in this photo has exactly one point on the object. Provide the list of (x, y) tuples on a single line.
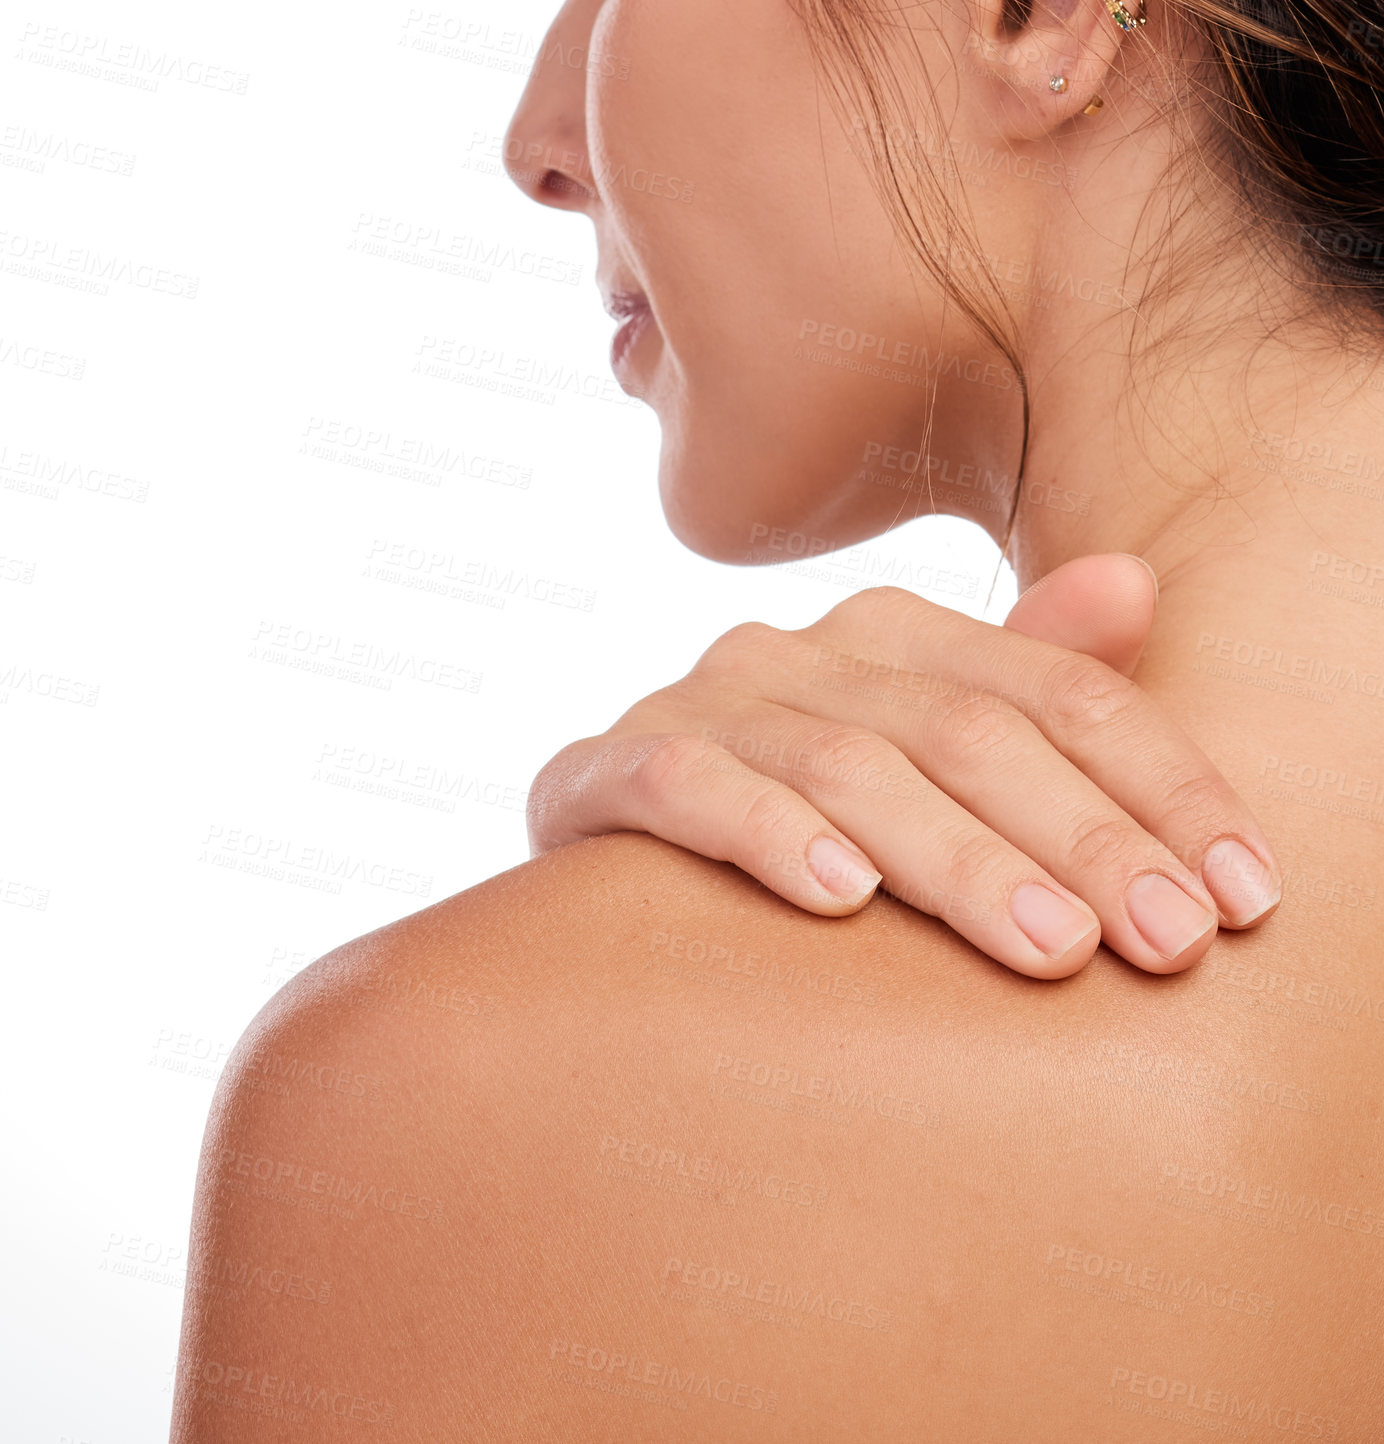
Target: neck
[(1187, 402), (1256, 456), (1264, 523), (1268, 647), (1265, 527)]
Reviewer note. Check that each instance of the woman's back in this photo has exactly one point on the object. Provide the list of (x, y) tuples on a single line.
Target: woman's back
[(636, 1150)]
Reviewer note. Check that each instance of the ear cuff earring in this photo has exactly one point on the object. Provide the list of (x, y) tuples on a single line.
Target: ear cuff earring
[(1126, 20), (1122, 15)]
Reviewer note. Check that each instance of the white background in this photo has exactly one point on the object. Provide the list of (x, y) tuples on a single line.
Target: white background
[(167, 517)]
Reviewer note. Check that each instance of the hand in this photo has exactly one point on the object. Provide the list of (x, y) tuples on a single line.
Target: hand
[(1001, 778)]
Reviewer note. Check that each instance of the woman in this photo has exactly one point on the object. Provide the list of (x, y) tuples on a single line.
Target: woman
[(632, 1148)]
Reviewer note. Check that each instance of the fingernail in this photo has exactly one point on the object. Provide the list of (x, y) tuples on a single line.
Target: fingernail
[(1242, 885), (844, 873), (1147, 568), (1169, 919), (1048, 920)]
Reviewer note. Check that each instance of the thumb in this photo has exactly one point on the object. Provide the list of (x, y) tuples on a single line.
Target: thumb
[(1102, 605)]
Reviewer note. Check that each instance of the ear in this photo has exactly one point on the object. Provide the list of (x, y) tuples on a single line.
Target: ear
[(1010, 71)]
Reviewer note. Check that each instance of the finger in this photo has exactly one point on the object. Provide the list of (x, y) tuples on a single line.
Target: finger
[(932, 852), (1002, 772), (698, 795), (1154, 909), (809, 778), (1102, 605), (1096, 718), (1012, 810), (1001, 769)]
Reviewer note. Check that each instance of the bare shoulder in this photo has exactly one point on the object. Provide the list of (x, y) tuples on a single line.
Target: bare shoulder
[(620, 1145)]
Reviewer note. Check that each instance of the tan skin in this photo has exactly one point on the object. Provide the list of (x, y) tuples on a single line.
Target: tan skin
[(763, 450), (583, 1092), (548, 1071)]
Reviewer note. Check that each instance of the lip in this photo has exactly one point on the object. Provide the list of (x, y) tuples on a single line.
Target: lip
[(632, 310)]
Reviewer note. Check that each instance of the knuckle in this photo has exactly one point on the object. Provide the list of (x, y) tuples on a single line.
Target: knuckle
[(841, 755), (1199, 806), (976, 722), (1085, 693), (749, 637), (764, 813), (663, 711), (549, 807), (1094, 841), (667, 768), (740, 654), (975, 860), (751, 633), (538, 814), (884, 603), (554, 776)]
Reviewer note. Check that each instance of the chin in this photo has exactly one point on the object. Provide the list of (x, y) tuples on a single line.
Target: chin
[(740, 519), (718, 533), (744, 499)]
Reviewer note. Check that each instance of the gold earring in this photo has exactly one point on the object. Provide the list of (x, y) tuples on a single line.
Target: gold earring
[(1121, 15), (1058, 83), (1095, 105)]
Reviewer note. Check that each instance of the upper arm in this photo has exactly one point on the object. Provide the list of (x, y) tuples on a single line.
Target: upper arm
[(619, 1145)]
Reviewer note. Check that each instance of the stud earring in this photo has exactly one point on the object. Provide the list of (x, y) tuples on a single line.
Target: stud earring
[(1058, 83), (1122, 16)]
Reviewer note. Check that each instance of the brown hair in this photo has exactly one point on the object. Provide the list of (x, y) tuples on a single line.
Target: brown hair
[(1296, 88)]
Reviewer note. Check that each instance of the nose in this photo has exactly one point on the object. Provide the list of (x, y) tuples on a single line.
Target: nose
[(545, 145)]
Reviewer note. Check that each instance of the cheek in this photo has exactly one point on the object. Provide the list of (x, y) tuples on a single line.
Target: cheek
[(684, 103), (781, 239)]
